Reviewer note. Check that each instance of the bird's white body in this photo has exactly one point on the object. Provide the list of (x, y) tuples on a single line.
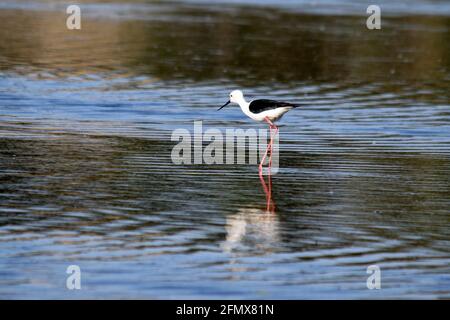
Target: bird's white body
[(273, 115)]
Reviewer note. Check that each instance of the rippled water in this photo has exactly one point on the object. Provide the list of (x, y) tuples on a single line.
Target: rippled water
[(86, 176)]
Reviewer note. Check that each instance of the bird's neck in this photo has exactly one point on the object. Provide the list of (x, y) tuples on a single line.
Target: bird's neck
[(244, 106)]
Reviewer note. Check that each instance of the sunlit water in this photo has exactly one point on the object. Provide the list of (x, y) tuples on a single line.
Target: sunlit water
[(86, 176)]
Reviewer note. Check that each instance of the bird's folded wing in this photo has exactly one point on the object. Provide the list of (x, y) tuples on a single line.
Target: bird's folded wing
[(261, 105)]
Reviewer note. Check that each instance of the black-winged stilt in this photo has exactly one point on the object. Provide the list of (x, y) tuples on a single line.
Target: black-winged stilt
[(262, 110)]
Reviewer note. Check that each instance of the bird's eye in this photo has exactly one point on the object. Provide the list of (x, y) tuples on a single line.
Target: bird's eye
[(231, 95)]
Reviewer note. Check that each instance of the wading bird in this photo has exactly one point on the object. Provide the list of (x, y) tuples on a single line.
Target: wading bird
[(262, 110)]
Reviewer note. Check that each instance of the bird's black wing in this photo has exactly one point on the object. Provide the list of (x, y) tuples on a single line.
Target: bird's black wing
[(260, 105)]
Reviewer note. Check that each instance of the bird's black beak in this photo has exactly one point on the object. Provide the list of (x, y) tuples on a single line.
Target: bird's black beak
[(228, 102)]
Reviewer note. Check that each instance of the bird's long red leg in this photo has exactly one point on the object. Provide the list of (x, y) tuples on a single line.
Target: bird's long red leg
[(268, 147), (262, 161), (272, 137), (270, 173), (270, 205)]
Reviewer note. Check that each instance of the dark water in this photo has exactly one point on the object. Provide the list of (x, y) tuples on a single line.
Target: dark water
[(87, 179)]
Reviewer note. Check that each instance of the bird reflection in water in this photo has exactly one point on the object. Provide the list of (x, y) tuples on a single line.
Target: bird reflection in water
[(267, 187), (257, 227), (251, 227)]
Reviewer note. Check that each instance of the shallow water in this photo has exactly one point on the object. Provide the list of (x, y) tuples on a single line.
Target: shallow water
[(86, 176)]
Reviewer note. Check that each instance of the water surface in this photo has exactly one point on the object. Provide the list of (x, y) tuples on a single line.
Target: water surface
[(86, 175)]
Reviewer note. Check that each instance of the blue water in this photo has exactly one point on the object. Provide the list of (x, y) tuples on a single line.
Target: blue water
[(86, 119)]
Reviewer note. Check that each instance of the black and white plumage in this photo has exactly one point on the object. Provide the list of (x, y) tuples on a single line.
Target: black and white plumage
[(261, 105), (261, 109)]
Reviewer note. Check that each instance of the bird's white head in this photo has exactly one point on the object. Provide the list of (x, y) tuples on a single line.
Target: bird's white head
[(236, 96)]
